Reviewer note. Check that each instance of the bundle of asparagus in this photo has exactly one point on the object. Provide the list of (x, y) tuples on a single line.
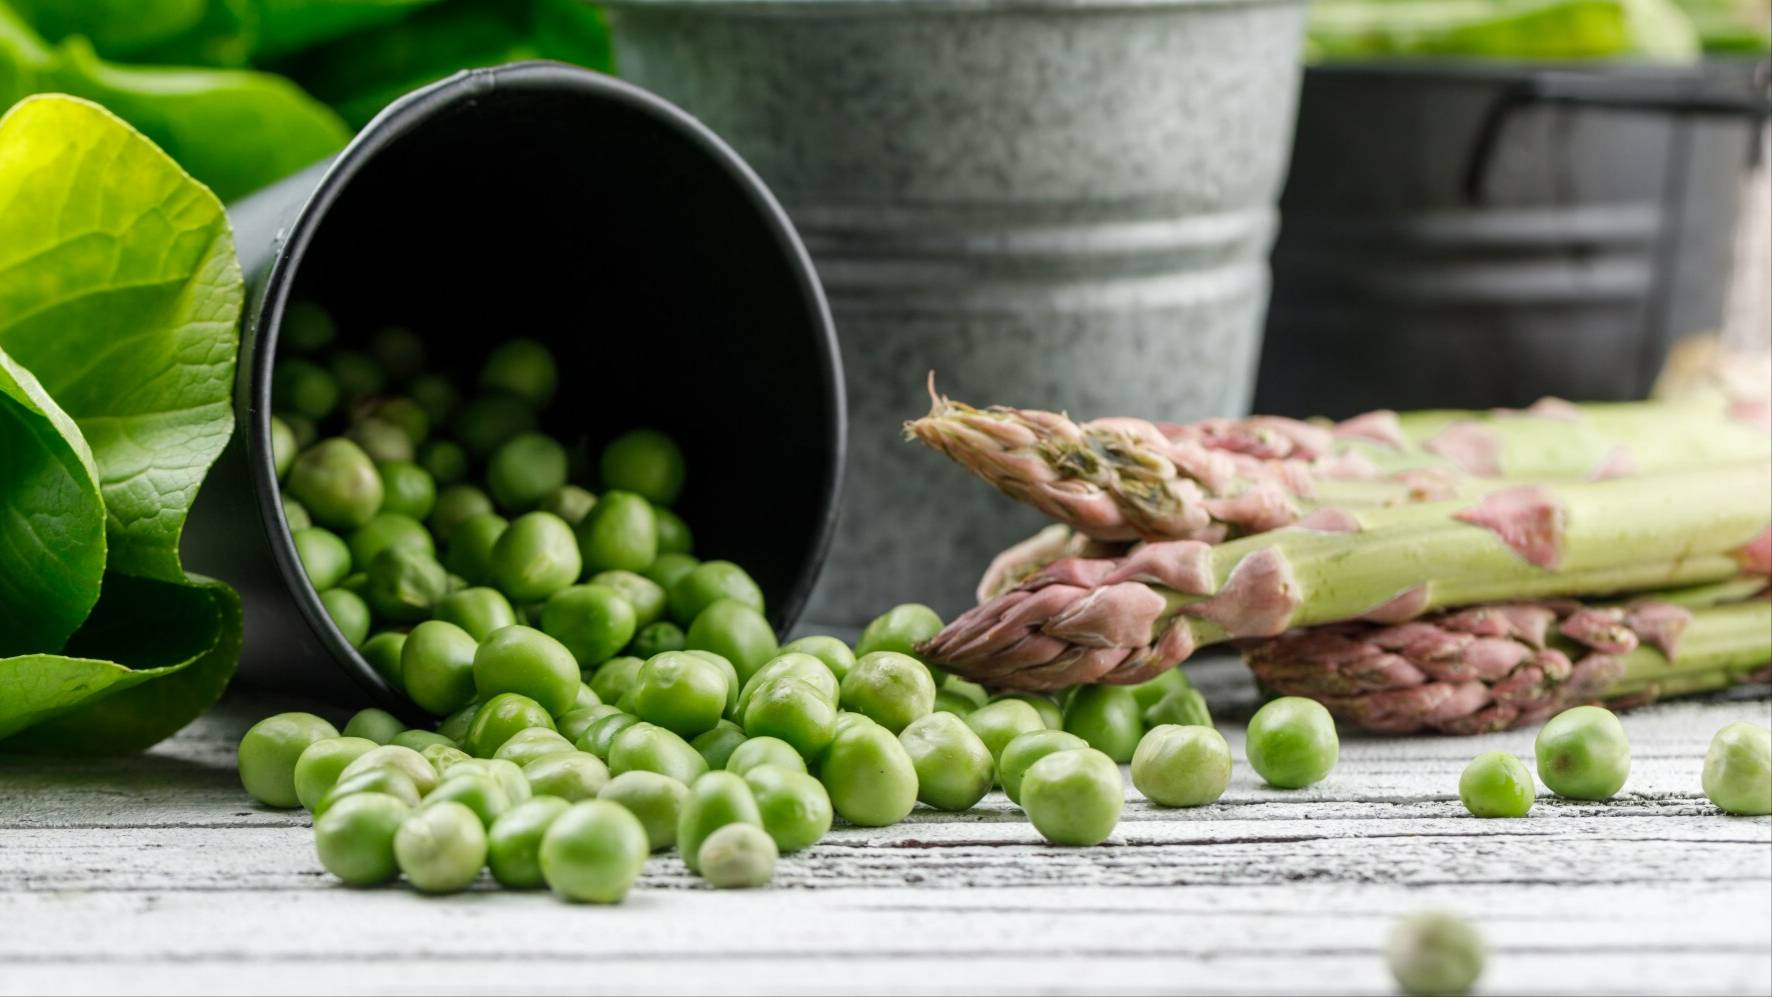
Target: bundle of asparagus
[(1354, 537)]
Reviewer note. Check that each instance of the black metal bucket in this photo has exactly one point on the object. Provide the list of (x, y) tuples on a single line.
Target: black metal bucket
[(552, 202), (1472, 235)]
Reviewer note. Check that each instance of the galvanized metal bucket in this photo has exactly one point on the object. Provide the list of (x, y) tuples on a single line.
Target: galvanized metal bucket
[(1479, 234), (551, 202), (1060, 203)]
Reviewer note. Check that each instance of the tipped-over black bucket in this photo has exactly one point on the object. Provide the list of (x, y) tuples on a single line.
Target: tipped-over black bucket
[(550, 202)]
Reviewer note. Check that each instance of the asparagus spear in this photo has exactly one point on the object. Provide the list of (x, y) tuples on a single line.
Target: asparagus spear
[(1128, 479), (1493, 667), (1124, 620)]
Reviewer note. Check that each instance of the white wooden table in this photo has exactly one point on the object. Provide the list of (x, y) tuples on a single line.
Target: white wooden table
[(156, 873)]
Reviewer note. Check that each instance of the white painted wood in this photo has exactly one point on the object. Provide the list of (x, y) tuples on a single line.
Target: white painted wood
[(156, 874)]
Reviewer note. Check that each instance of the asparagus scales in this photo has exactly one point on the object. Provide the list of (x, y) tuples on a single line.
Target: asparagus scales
[(1124, 620)]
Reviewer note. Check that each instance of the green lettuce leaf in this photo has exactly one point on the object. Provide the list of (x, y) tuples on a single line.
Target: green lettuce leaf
[(290, 25), (121, 296), (183, 32)]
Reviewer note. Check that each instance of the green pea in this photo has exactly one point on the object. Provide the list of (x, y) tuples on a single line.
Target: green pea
[(389, 529), (717, 744), (1108, 717), (404, 760), (1178, 766), (1435, 953), (478, 611), (419, 740), (729, 673), (791, 665), (715, 799), (456, 505), (668, 568), (795, 808), (954, 768), (736, 632), (708, 583), (760, 751), (657, 638), (404, 584), (794, 711), (570, 503), (656, 800), (738, 856), (620, 533), (574, 775), (899, 629), (407, 489), (1494, 784), (383, 651), (593, 621), (1024, 750), (513, 845), (349, 613), (642, 593), (405, 413), (871, 780), (1050, 713), (523, 660), (306, 327), (593, 852), (381, 440), (587, 697), (535, 557), (1583, 754), (500, 717), (501, 770), (1150, 693), (523, 368), (470, 549), (295, 515), (324, 557), (318, 767), (524, 470), (834, 653), (485, 423), (455, 726), (890, 688), (386, 781), (304, 388), (1074, 797), (355, 840), (480, 793), (1738, 769), (358, 375), (645, 462), (445, 461), (674, 536), (1184, 707), (441, 848), (575, 722), (271, 749), (443, 756), (947, 702), (399, 350), (651, 748), (531, 743), (613, 678), (680, 692), (971, 692), (436, 395), (1291, 742), (1000, 722), (283, 447), (303, 428)]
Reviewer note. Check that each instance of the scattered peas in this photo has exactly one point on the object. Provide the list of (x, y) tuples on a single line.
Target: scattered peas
[(355, 839), (954, 768), (1583, 754), (441, 848), (737, 856), (1738, 769), (593, 852), (1435, 953), (899, 629), (1177, 766), (1292, 743), (270, 752), (513, 845), (1024, 750), (1074, 797), (656, 800), (871, 780), (1108, 717), (1496, 784)]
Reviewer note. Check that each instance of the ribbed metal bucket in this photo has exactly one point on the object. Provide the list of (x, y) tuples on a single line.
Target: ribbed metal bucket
[(551, 202), (1475, 235), (1061, 203)]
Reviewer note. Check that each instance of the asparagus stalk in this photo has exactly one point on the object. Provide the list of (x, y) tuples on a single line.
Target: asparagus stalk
[(1124, 479), (1495, 667), (1124, 620)]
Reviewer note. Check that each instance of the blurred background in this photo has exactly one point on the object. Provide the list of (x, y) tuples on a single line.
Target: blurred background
[(1483, 201)]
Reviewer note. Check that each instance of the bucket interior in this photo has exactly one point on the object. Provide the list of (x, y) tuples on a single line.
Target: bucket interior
[(610, 227)]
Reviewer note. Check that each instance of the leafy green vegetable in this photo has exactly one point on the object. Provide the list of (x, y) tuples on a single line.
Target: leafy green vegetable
[(120, 298), (195, 32), (235, 130), (1500, 29), (291, 25)]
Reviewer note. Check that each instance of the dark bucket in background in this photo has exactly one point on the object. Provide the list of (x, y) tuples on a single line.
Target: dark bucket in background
[(551, 202), (1473, 235)]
